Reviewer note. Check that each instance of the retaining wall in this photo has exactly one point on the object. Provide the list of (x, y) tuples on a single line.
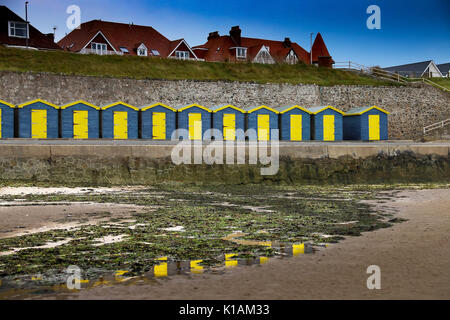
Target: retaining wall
[(298, 163), (411, 107)]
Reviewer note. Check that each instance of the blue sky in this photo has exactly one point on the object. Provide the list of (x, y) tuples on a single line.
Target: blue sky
[(411, 30)]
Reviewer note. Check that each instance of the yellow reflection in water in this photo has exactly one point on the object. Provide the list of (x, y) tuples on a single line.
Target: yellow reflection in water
[(160, 270), (263, 260), (229, 262), (195, 267), (298, 249)]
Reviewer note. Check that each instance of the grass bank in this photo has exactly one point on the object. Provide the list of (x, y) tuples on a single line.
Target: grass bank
[(12, 59), (445, 82)]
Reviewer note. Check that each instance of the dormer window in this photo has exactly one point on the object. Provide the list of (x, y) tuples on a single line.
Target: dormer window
[(18, 29), (241, 53), (142, 50)]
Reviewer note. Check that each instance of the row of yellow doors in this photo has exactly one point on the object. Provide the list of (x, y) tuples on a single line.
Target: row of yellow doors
[(80, 126)]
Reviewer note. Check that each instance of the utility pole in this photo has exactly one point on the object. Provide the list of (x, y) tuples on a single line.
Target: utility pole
[(310, 51), (26, 20)]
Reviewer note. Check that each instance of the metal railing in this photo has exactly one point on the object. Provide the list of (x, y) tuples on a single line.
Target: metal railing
[(435, 126)]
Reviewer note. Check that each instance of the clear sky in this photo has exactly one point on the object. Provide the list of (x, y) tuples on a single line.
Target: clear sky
[(411, 30)]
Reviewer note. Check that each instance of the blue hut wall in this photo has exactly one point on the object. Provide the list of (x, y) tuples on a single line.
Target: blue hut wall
[(108, 121), (285, 122), (356, 127), (25, 120), (318, 124), (183, 119), (252, 121), (67, 121), (365, 124), (218, 119), (352, 127), (7, 123), (147, 122)]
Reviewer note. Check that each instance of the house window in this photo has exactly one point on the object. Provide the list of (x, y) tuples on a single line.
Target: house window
[(124, 50), (241, 53), (18, 29), (99, 48), (142, 51), (183, 55), (155, 52)]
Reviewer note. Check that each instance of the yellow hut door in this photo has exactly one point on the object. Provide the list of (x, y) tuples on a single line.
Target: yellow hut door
[(374, 127), (120, 125), (39, 124), (80, 124), (263, 127), (0, 123), (229, 126), (296, 127), (328, 127), (159, 125), (195, 126)]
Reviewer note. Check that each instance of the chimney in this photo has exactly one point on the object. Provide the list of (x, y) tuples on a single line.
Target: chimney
[(50, 36), (235, 33), (287, 42), (213, 35)]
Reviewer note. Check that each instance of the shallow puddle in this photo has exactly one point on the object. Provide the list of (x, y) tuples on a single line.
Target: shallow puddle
[(28, 286)]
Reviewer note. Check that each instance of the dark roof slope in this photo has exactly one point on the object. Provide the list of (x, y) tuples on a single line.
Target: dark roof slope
[(36, 38), (418, 67), (444, 67)]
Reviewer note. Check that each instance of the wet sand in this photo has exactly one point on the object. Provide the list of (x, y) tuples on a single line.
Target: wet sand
[(414, 257), (26, 218)]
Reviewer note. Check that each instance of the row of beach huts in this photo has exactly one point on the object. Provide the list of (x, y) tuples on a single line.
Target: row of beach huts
[(82, 120)]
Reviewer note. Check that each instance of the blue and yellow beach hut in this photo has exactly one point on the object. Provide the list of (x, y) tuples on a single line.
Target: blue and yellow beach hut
[(326, 123), (158, 121), (120, 121), (6, 120), (295, 123), (80, 120), (227, 119), (366, 123), (262, 120), (196, 119), (38, 119)]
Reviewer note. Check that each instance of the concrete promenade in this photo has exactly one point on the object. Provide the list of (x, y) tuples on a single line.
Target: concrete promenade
[(29, 148)]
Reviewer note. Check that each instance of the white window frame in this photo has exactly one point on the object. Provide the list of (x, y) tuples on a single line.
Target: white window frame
[(241, 55), (102, 50), (11, 27), (182, 55), (142, 47)]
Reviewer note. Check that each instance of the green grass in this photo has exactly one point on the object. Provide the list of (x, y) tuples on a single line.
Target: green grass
[(19, 60), (445, 82)]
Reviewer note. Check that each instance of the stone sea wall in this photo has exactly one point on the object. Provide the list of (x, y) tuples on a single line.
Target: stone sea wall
[(411, 107), (151, 164)]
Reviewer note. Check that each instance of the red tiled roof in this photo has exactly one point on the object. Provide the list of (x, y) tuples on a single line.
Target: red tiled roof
[(319, 49), (129, 36), (219, 49), (36, 38)]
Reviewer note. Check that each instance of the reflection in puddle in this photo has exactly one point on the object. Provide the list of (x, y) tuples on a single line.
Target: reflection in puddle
[(30, 285)]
